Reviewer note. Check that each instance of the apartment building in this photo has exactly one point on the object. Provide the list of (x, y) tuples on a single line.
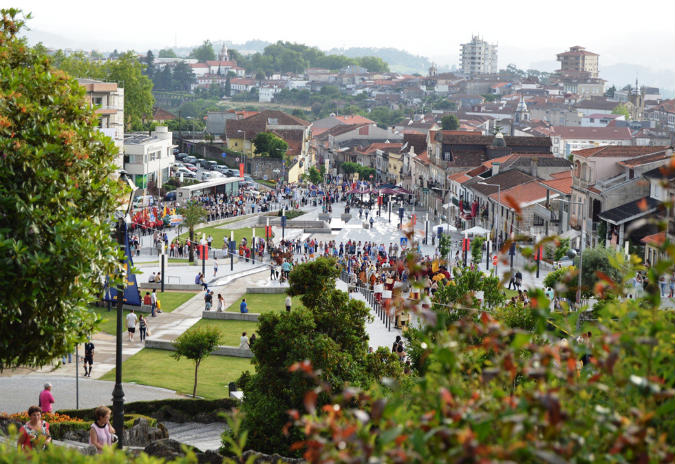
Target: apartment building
[(578, 62), (478, 57), (108, 99), (148, 158)]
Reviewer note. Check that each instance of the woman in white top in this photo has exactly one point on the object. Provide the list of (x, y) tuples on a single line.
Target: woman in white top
[(219, 308), (243, 341)]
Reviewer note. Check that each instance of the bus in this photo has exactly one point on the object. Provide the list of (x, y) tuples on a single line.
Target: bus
[(227, 185)]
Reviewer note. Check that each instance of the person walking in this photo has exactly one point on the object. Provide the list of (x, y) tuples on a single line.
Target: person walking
[(46, 399), (215, 267), (101, 432), (35, 432), (142, 327), (221, 304), (208, 300), (88, 357), (288, 303), (131, 324), (153, 302)]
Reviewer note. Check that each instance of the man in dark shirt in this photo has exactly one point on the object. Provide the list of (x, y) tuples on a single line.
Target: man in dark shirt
[(88, 357)]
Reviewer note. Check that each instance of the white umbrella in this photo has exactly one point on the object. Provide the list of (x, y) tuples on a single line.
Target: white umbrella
[(446, 227), (476, 230)]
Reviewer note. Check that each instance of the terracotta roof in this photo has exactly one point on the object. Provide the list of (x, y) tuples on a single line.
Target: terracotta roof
[(260, 122), (199, 65), (525, 194), (562, 184), (459, 177), (478, 170), (354, 119), (657, 239), (163, 115), (640, 160), (423, 158), (222, 63), (597, 104), (617, 151), (382, 146), (593, 133)]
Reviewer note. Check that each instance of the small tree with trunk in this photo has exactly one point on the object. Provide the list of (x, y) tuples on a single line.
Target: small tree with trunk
[(196, 344), (193, 214)]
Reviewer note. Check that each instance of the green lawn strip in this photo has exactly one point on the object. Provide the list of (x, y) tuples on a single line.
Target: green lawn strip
[(158, 369), (231, 330), (264, 302), (219, 234), (169, 302)]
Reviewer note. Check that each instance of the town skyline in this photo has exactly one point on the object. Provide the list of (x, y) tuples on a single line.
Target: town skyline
[(648, 46)]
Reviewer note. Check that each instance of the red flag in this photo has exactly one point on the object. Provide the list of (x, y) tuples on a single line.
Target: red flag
[(241, 169)]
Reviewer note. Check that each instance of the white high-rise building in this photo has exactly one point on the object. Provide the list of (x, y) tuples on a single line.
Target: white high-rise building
[(478, 57)]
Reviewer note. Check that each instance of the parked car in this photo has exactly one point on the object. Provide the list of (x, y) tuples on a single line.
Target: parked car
[(209, 164), (186, 173), (190, 159), (209, 175), (191, 167), (170, 196), (222, 169)]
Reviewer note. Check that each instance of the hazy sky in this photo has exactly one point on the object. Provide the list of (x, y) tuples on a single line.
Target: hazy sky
[(528, 31)]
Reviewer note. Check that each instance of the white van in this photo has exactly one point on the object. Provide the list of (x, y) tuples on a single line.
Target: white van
[(209, 175)]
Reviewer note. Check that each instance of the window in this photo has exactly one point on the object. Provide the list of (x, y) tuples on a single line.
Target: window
[(537, 221)]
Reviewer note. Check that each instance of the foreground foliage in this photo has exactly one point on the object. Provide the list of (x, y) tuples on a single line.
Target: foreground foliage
[(56, 194)]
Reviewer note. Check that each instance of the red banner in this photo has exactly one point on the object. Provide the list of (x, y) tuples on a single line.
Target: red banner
[(466, 244), (203, 252), (241, 169)]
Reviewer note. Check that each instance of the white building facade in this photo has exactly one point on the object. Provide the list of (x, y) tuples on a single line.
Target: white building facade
[(149, 158)]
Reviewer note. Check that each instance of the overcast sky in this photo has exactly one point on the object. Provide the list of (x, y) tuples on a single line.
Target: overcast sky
[(527, 31)]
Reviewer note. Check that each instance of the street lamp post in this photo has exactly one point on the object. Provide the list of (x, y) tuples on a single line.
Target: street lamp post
[(465, 246), (231, 247), (499, 203), (118, 392)]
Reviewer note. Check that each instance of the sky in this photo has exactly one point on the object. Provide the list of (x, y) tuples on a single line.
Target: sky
[(528, 32)]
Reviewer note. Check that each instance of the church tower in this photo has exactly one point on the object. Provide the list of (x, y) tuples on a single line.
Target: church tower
[(522, 113)]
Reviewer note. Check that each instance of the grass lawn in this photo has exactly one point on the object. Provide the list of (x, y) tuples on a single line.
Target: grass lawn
[(219, 234), (158, 369), (231, 330), (169, 302), (265, 303)]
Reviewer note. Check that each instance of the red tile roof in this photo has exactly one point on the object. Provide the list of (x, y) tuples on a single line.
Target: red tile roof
[(460, 177), (354, 119), (640, 160), (222, 63), (617, 151), (525, 194), (593, 133), (657, 239), (563, 183)]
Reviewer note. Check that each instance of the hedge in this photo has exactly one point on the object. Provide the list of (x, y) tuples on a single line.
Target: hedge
[(176, 409)]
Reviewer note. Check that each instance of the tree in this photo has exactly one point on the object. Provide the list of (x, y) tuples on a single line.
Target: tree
[(204, 52), (610, 91), (330, 334), (167, 53), (196, 344), (138, 99), (269, 144), (597, 267), (373, 64), (477, 249), (449, 122), (193, 214), (315, 176), (183, 78), (149, 64), (622, 110), (445, 245), (57, 194)]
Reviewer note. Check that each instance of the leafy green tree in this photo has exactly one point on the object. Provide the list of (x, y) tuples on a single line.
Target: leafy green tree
[(204, 52), (373, 64), (315, 176), (564, 282), (57, 194), (445, 245), (330, 334), (183, 77), (196, 344), (149, 64), (269, 144), (450, 122), (477, 249), (599, 265), (193, 213), (167, 53), (610, 91), (622, 110), (138, 99)]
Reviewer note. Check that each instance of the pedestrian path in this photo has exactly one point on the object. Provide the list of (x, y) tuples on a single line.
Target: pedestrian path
[(379, 334)]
